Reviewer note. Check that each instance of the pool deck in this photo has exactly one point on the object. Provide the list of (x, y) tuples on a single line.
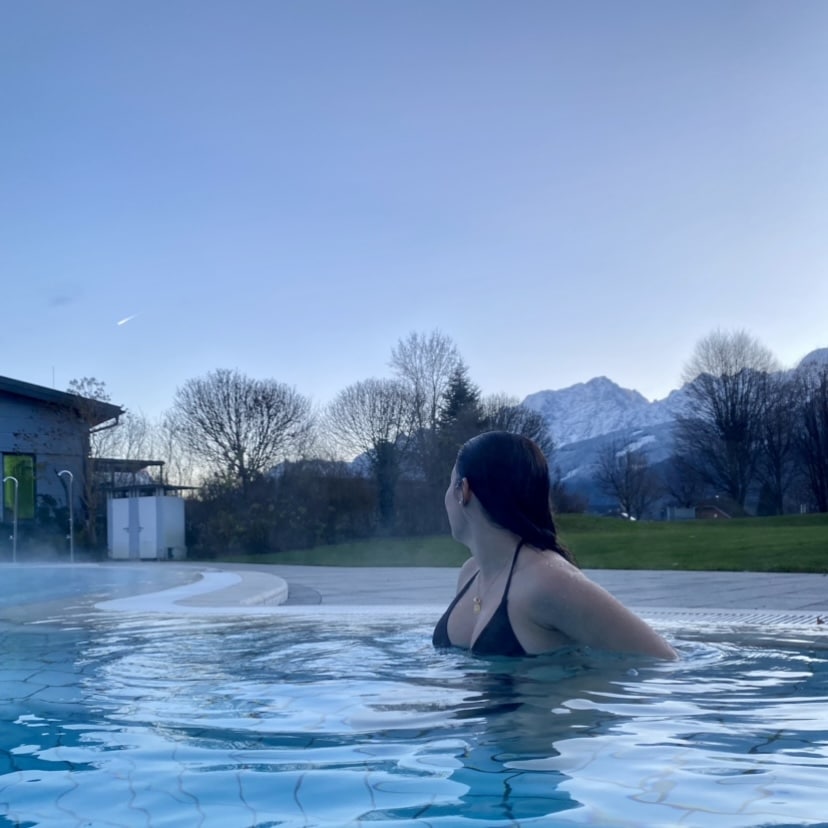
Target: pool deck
[(208, 588), (644, 590)]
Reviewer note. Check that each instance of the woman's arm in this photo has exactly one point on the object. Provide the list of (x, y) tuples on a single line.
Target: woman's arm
[(566, 600)]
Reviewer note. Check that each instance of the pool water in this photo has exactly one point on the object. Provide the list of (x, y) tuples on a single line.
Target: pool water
[(29, 585), (317, 716)]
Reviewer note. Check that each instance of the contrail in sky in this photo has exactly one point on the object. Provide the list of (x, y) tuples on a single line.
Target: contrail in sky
[(126, 319)]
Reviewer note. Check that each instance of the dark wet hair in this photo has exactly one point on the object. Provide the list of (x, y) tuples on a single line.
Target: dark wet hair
[(509, 475)]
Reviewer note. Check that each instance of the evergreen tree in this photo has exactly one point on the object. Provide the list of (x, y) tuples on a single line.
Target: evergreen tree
[(461, 399), (461, 417)]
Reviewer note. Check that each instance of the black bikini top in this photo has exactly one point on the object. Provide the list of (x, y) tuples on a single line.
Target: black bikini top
[(497, 637)]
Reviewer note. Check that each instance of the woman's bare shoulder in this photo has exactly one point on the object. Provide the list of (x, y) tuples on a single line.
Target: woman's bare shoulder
[(556, 585), (466, 571), (561, 596), (549, 569)]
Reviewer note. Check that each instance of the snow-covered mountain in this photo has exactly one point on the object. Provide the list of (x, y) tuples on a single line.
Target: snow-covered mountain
[(586, 417), (600, 406), (816, 359)]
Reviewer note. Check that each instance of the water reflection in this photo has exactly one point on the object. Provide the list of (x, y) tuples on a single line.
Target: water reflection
[(310, 721)]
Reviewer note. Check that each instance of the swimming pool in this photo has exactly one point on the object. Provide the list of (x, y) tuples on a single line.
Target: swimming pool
[(326, 716)]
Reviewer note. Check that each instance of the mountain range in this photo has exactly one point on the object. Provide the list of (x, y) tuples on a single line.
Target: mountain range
[(586, 417)]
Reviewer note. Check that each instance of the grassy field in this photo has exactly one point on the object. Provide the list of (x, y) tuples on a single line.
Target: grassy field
[(796, 543)]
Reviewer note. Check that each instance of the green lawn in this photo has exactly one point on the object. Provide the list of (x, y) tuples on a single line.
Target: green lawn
[(796, 543), (783, 544)]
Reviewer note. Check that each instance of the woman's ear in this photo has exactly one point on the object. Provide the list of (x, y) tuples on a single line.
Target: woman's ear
[(465, 492)]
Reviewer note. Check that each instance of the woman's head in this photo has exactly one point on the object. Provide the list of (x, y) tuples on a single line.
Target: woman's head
[(509, 476)]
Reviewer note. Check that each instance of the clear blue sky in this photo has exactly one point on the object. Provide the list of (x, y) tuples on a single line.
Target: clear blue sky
[(566, 189)]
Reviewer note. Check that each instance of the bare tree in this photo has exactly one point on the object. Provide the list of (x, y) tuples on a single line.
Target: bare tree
[(139, 438), (131, 440), (89, 388), (426, 363), (88, 392), (180, 466), (504, 413), (136, 437), (626, 475), (721, 434), (682, 482), (373, 418), (776, 465), (240, 427), (812, 434)]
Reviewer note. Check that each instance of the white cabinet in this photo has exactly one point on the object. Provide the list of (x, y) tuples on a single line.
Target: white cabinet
[(144, 527)]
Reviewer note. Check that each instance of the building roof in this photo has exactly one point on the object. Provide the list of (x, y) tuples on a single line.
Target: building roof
[(95, 411), (124, 481), (123, 465)]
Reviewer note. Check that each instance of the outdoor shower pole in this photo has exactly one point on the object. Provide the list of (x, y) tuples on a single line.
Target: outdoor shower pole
[(14, 524), (71, 515)]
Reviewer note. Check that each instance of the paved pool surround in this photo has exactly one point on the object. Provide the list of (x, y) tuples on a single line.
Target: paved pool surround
[(772, 597)]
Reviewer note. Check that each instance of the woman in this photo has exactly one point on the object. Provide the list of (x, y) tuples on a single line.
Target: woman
[(520, 592)]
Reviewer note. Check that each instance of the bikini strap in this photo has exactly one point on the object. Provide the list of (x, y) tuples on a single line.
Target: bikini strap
[(465, 587), (468, 583)]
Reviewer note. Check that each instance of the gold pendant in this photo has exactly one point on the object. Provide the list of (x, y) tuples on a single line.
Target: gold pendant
[(476, 603)]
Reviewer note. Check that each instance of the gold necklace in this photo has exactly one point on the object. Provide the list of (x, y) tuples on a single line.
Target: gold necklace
[(477, 600)]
